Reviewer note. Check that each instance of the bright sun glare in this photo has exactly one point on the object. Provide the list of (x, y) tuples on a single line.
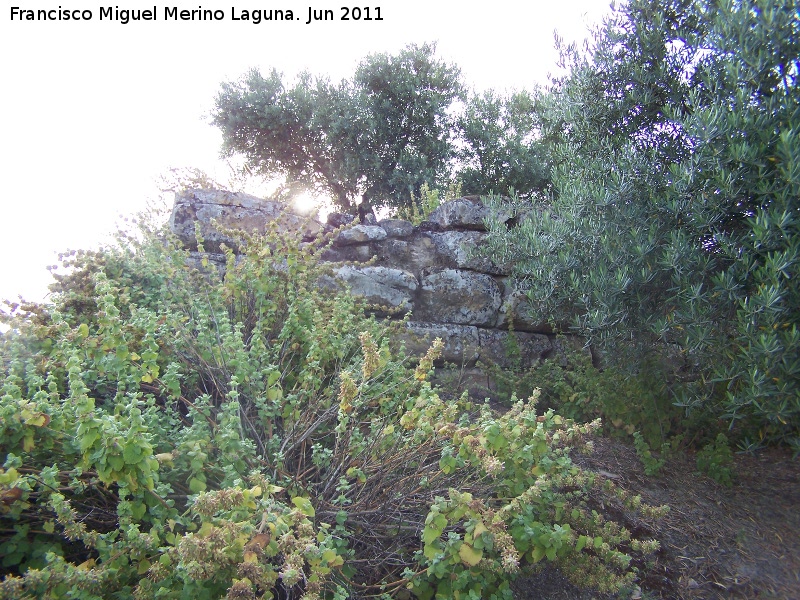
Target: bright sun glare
[(306, 203), (309, 204)]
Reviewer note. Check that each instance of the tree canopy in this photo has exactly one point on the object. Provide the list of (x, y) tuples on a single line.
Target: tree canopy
[(402, 121), (377, 137), (502, 150), (673, 221)]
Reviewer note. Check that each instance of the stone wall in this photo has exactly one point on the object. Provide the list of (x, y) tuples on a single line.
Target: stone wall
[(427, 270)]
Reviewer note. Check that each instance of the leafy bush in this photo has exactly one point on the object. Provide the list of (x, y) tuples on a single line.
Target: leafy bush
[(428, 200), (716, 460), (652, 464), (673, 218), (626, 401), (169, 433)]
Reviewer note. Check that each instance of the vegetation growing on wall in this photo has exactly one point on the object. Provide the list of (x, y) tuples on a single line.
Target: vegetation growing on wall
[(166, 433)]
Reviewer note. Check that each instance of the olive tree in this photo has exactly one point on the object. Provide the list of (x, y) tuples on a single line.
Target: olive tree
[(673, 220), (377, 137)]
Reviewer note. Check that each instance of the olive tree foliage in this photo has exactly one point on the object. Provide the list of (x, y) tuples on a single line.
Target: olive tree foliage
[(502, 150), (377, 137), (673, 220)]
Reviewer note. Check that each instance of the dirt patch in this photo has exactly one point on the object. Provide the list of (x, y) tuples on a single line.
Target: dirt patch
[(716, 542)]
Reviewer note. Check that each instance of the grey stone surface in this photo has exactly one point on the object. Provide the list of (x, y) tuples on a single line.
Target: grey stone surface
[(459, 246), (462, 297), (396, 227), (360, 234), (380, 285), (356, 253), (513, 349), (214, 209), (214, 262), (340, 219), (461, 342), (413, 254), (516, 311), (463, 213), (428, 270)]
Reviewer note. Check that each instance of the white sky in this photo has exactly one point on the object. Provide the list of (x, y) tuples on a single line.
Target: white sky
[(93, 112)]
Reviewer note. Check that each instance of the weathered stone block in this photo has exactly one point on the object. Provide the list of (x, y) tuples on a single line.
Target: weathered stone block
[(214, 263), (396, 227), (463, 297), (512, 349), (380, 285), (462, 213), (232, 211), (461, 344), (360, 234), (357, 253), (516, 311), (413, 254), (457, 246)]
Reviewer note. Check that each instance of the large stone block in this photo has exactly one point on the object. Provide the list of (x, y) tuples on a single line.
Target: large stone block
[(517, 312), (461, 344), (231, 210), (413, 254), (207, 263), (462, 297), (513, 349), (458, 247), (380, 285), (356, 253), (396, 227), (360, 234), (462, 213)]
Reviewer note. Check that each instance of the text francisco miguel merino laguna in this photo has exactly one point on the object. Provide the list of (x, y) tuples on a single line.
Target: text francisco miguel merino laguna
[(175, 13)]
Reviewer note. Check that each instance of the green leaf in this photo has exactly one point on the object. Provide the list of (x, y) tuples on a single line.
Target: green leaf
[(196, 485), (304, 506), (430, 551), (132, 453), (88, 439), (332, 559), (138, 509), (116, 462), (470, 555), (430, 533)]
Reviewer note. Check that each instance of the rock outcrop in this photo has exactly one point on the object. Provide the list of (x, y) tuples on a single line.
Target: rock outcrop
[(428, 270)]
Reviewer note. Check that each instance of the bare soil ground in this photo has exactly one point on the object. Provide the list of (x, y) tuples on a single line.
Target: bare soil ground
[(716, 542)]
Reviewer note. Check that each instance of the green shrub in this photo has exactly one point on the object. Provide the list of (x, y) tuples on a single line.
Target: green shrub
[(169, 433), (672, 221), (716, 460), (421, 207), (652, 464), (625, 401)]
